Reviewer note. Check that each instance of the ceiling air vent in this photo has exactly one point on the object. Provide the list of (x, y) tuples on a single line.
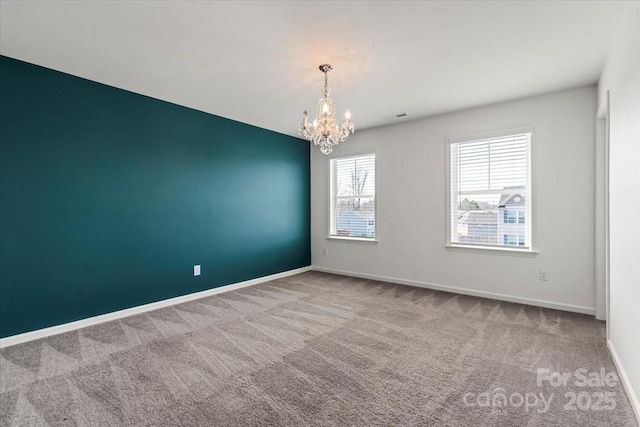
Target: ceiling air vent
[(392, 117)]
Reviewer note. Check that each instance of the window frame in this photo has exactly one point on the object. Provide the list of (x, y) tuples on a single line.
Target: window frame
[(331, 190), (529, 213)]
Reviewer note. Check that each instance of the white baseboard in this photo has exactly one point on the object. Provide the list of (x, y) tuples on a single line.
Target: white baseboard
[(90, 321), (464, 291), (633, 399)]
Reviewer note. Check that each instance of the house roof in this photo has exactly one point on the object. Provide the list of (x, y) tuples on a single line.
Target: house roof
[(509, 194), (479, 218), (358, 214)]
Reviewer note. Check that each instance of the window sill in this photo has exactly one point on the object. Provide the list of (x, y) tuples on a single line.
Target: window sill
[(492, 250), (353, 239)]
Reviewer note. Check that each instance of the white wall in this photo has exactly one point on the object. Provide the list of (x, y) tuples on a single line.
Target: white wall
[(621, 77), (411, 203)]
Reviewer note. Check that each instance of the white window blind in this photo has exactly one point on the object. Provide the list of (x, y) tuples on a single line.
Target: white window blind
[(490, 191), (352, 196)]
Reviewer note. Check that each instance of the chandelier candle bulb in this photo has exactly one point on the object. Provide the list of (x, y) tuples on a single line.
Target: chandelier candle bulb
[(326, 132)]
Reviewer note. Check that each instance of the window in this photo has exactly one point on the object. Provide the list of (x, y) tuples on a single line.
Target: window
[(513, 240), (352, 186), (512, 216), (490, 191)]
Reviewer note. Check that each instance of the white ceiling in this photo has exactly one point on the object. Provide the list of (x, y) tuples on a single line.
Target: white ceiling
[(256, 62)]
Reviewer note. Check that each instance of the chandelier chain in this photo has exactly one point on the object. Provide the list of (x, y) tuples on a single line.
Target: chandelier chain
[(326, 84)]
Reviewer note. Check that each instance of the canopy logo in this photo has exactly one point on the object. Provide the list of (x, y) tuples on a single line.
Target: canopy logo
[(498, 400)]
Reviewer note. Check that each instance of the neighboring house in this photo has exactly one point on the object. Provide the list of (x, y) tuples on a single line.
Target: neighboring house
[(478, 227), (356, 224), (511, 217)]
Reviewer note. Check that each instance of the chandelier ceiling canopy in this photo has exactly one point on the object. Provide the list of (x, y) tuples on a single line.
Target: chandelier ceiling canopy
[(325, 131)]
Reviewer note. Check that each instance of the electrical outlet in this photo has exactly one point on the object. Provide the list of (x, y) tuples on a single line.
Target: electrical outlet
[(325, 251), (196, 270), (543, 274)]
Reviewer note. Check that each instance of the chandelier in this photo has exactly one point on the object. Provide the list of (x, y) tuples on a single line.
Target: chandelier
[(325, 131)]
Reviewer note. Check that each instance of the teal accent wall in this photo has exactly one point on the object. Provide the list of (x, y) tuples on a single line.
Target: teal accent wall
[(109, 198)]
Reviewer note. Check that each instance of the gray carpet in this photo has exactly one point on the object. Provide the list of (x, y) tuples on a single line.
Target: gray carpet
[(319, 350)]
